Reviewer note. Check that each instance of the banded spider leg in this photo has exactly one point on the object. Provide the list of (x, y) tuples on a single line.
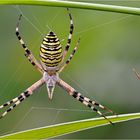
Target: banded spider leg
[(16, 101), (28, 53), (86, 101)]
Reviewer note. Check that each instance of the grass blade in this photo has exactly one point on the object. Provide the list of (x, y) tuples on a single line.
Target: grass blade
[(69, 127), (74, 4)]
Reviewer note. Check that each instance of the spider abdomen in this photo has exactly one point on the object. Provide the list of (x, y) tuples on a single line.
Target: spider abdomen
[(51, 50)]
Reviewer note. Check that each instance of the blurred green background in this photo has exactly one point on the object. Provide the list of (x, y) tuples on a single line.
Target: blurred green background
[(101, 68)]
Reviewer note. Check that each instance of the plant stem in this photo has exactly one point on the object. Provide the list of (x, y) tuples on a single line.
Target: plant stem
[(70, 4)]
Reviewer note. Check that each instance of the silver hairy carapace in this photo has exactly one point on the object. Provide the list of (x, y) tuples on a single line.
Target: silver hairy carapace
[(51, 77), (50, 81)]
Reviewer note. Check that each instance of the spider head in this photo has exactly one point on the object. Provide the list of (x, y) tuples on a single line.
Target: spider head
[(50, 83)]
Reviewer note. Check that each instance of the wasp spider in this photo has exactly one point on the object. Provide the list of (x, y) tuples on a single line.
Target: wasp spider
[(51, 64)]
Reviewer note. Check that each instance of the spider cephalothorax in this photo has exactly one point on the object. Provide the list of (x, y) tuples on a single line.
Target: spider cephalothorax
[(52, 57), (50, 81)]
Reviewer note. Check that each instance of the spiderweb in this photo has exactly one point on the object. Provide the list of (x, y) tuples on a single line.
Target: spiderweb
[(55, 111)]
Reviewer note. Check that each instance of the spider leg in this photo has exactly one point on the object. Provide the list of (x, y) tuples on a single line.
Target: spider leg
[(10, 102), (22, 97), (136, 73), (92, 102), (70, 35), (71, 56), (28, 53), (86, 101)]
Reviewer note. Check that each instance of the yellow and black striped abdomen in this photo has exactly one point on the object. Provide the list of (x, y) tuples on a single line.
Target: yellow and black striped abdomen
[(50, 50)]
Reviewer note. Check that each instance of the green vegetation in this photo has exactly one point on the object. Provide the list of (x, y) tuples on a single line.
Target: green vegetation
[(70, 127), (72, 4)]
